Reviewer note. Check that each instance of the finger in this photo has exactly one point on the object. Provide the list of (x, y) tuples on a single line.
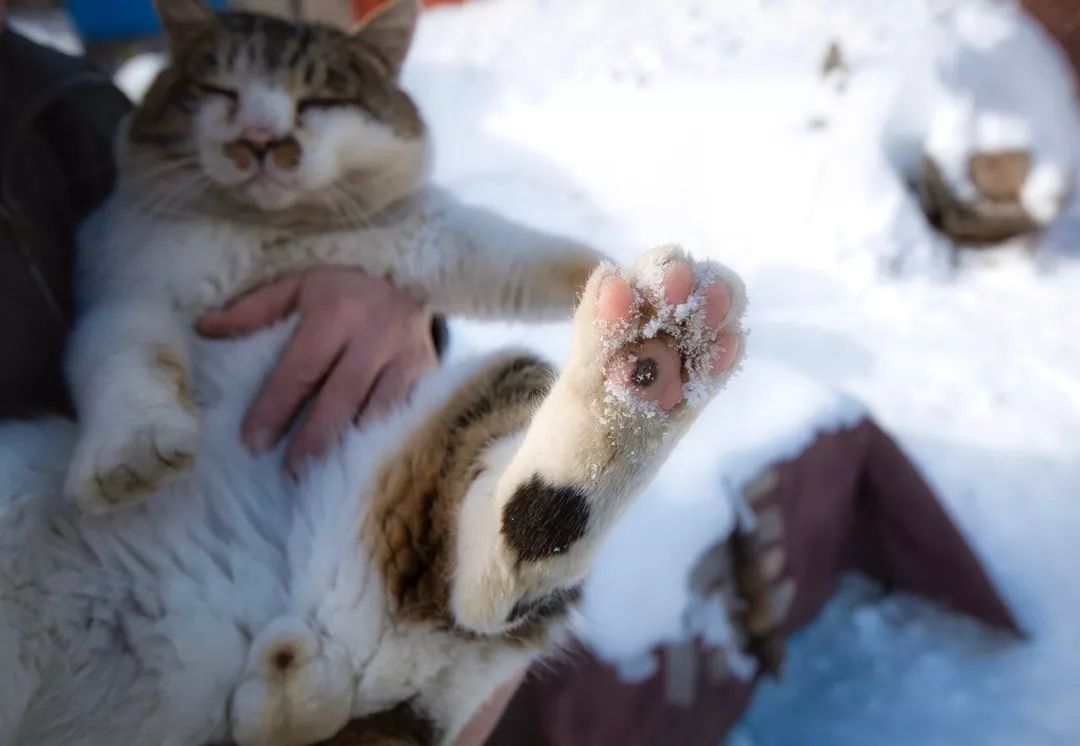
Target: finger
[(309, 356), (345, 390), (261, 307), (394, 386)]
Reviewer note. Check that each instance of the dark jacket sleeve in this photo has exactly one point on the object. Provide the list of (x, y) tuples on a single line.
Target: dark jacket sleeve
[(56, 133)]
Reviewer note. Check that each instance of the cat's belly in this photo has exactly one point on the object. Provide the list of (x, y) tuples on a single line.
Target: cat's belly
[(142, 621)]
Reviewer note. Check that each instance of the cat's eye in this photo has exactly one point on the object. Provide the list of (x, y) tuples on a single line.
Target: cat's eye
[(320, 102), (214, 90)]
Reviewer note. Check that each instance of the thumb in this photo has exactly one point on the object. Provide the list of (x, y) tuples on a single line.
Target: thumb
[(258, 308)]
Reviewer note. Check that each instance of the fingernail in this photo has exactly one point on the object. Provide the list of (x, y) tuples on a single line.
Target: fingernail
[(260, 441)]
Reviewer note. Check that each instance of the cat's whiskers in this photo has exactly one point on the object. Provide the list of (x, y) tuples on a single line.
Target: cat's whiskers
[(153, 169), (169, 196), (154, 199), (347, 207), (150, 185)]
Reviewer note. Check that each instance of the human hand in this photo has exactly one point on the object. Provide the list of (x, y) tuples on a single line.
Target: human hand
[(357, 350)]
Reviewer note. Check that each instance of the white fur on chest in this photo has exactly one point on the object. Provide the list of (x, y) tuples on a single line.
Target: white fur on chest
[(202, 262)]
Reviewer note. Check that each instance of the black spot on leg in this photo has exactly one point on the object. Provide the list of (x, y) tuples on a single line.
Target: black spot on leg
[(543, 521)]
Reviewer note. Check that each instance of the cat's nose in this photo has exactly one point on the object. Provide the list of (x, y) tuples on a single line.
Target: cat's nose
[(257, 138)]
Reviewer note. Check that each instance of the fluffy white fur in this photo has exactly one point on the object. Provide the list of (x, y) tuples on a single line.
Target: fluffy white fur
[(173, 593)]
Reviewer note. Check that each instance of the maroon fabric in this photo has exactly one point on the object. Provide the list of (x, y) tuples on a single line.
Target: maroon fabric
[(905, 539), (585, 704), (850, 500), (1061, 18)]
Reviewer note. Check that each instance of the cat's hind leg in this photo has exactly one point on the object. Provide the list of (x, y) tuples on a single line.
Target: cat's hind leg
[(649, 350), (297, 688)]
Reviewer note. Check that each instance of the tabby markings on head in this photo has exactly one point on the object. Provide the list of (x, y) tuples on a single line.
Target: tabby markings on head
[(275, 120)]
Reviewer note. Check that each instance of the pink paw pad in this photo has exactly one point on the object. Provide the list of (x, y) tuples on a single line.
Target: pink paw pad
[(725, 351), (616, 299), (678, 284), (717, 305), (653, 371), (657, 366)]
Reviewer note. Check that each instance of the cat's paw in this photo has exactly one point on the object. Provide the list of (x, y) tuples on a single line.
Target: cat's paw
[(136, 452), (666, 334), (650, 347)]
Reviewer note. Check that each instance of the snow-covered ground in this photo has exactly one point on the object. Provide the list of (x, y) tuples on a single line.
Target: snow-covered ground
[(634, 122), (707, 122)]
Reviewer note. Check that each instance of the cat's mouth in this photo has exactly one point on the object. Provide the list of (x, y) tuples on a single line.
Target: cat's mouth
[(269, 191), (264, 177)]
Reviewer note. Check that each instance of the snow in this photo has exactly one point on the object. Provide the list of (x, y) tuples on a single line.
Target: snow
[(135, 75), (632, 123)]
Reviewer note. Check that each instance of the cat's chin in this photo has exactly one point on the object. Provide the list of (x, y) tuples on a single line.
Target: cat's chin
[(270, 197)]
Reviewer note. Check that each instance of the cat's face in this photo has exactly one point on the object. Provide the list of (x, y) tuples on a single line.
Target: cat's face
[(272, 115)]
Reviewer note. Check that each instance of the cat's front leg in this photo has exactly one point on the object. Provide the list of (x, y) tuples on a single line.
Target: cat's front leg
[(138, 426), (472, 262), (497, 268), (649, 350)]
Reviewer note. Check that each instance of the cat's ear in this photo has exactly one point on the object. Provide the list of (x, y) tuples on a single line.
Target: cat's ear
[(183, 20), (389, 30)]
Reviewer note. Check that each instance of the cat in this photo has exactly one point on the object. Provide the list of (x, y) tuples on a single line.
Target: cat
[(422, 561)]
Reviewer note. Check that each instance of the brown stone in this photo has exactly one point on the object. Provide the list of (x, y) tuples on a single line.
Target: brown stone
[(1000, 176), (997, 215)]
